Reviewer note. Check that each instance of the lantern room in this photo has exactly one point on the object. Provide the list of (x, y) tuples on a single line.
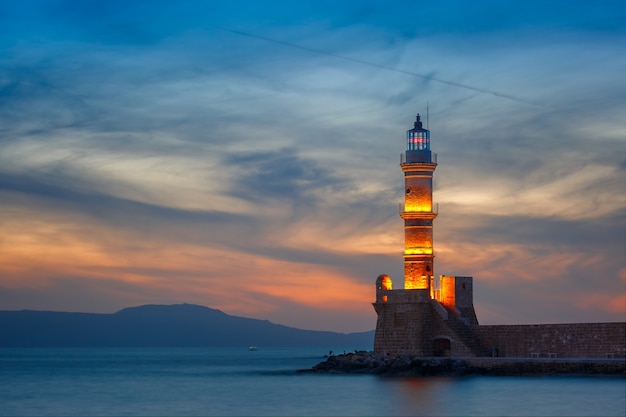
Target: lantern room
[(418, 143), (418, 138)]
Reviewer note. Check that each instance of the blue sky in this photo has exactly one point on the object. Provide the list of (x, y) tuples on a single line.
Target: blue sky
[(244, 155)]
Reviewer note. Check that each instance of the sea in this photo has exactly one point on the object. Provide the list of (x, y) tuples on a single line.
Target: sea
[(266, 382)]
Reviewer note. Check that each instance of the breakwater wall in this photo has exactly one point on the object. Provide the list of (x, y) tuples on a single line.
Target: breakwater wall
[(405, 365), (574, 340)]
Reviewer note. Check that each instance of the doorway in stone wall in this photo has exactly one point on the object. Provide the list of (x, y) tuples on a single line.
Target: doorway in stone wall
[(442, 347)]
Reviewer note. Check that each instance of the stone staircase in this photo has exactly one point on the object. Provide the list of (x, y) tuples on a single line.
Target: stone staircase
[(467, 334)]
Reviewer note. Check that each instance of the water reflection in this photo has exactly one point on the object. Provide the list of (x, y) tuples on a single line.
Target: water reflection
[(504, 396), (420, 396)]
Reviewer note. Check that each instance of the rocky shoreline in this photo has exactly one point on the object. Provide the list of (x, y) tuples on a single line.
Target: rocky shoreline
[(363, 362)]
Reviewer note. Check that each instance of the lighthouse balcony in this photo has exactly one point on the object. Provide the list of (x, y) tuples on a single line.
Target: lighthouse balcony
[(411, 211), (418, 208), (427, 250)]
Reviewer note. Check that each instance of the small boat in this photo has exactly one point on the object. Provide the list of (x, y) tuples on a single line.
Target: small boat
[(252, 348)]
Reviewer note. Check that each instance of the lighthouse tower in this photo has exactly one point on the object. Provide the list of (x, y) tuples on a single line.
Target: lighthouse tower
[(418, 214), (420, 319)]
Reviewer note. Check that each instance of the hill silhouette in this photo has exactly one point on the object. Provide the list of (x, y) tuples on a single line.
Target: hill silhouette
[(179, 325)]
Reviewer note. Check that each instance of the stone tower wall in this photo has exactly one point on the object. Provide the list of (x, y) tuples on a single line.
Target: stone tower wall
[(419, 189), (418, 218), (405, 323), (420, 236), (416, 275)]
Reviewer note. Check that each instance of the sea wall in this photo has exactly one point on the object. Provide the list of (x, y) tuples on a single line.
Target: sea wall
[(574, 340), (408, 365)]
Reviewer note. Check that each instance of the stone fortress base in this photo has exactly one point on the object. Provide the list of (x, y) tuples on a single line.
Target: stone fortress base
[(442, 323)]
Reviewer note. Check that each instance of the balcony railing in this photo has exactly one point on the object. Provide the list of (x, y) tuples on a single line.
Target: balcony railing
[(435, 209)]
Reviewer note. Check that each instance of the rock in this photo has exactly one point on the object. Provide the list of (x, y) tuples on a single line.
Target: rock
[(363, 362)]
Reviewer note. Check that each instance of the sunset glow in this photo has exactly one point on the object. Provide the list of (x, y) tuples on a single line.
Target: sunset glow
[(149, 156)]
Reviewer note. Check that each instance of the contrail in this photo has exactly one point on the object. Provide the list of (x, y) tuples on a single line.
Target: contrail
[(372, 64)]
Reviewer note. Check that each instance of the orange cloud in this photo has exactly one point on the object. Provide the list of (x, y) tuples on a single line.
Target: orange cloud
[(611, 303), (315, 287), (512, 261), (39, 250)]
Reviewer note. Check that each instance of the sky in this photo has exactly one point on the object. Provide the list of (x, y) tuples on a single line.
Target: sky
[(243, 155)]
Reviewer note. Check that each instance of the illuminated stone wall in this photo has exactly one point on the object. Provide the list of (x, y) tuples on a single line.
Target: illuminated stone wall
[(457, 293), (447, 295), (418, 193), (416, 275), (418, 218), (418, 239)]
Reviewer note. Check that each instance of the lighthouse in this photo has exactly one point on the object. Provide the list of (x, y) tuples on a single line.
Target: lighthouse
[(423, 319), (418, 212), (419, 319)]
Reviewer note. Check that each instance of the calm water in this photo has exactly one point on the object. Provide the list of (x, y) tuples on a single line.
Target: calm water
[(238, 382)]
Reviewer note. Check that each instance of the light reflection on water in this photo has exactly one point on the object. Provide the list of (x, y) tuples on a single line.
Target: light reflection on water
[(233, 382), (510, 396)]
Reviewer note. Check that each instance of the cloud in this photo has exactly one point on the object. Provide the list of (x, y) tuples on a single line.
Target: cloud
[(148, 155)]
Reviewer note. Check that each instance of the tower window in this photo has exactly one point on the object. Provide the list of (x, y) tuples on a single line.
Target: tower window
[(408, 191)]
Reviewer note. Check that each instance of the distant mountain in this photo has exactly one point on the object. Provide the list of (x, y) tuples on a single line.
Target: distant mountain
[(180, 325)]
